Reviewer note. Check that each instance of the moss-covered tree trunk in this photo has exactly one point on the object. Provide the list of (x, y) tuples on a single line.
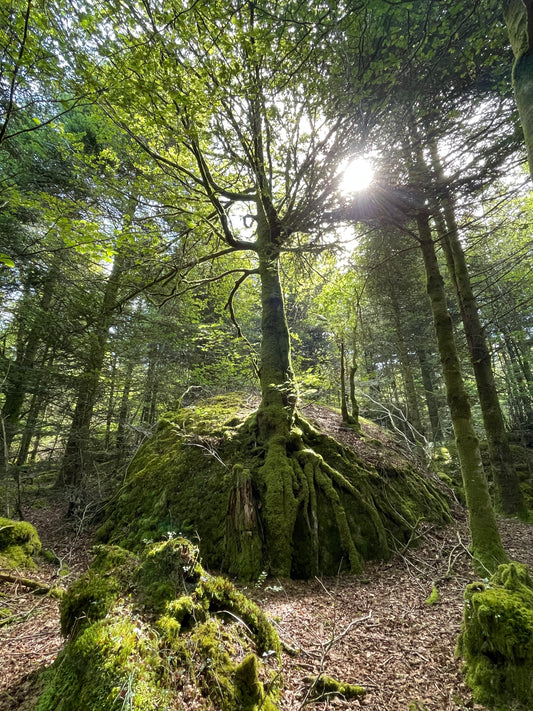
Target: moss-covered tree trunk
[(278, 388), (487, 548), (519, 20), (508, 493)]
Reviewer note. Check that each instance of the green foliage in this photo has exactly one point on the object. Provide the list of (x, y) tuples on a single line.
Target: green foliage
[(19, 542), (497, 638)]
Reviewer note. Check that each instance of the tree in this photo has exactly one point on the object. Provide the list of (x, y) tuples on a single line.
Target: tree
[(519, 20)]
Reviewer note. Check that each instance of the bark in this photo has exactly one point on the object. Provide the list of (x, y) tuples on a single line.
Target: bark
[(430, 394), (278, 388), (487, 547), (75, 460), (509, 495), (519, 20), (346, 417), (413, 412), (123, 413)]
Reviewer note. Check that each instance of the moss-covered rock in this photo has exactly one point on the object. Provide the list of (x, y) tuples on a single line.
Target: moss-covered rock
[(18, 543), (326, 687), (156, 631), (297, 504), (497, 639)]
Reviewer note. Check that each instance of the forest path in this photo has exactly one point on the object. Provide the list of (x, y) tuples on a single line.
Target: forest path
[(375, 629)]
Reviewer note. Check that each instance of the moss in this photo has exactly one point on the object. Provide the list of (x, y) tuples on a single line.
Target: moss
[(497, 638), (221, 595), (94, 594), (297, 504), (324, 687), (18, 543), (169, 569), (433, 596), (143, 629), (249, 692), (112, 664)]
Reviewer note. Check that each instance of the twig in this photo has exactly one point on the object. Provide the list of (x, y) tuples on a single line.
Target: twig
[(35, 585)]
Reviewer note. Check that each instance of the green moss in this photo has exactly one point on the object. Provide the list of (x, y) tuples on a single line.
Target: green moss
[(18, 543), (249, 692), (113, 663), (295, 504), (497, 638), (169, 570), (221, 595), (94, 594), (142, 628), (324, 687), (433, 596)]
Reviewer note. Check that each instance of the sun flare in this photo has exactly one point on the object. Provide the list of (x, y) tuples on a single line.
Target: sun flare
[(356, 175)]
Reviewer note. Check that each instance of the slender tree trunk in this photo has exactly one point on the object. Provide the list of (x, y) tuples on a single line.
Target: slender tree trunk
[(110, 403), (123, 413), (509, 495), (519, 20), (487, 548), (347, 418), (75, 459), (413, 412), (430, 395), (36, 407)]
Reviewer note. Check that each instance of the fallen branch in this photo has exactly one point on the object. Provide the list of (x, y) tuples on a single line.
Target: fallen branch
[(35, 585)]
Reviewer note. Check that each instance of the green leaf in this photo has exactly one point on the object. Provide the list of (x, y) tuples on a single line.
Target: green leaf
[(4, 259)]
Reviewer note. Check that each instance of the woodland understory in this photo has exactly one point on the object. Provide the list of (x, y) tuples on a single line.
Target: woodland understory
[(375, 629), (266, 316), (391, 629)]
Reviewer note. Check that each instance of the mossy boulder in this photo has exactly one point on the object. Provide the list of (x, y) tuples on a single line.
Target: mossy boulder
[(497, 639), (295, 504), (18, 543), (156, 631)]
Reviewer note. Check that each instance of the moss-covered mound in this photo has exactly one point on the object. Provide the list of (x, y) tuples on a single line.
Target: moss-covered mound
[(497, 639), (18, 543), (296, 504), (156, 632)]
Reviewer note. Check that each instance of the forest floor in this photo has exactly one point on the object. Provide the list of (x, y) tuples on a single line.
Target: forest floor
[(375, 629)]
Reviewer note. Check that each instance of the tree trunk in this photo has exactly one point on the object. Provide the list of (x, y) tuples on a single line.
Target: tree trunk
[(519, 20), (487, 548), (123, 413), (413, 412), (430, 395), (347, 419), (278, 388), (509, 495), (75, 459)]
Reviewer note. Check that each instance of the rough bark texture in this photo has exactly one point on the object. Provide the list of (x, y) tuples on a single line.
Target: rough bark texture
[(486, 544), (509, 496), (519, 20)]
